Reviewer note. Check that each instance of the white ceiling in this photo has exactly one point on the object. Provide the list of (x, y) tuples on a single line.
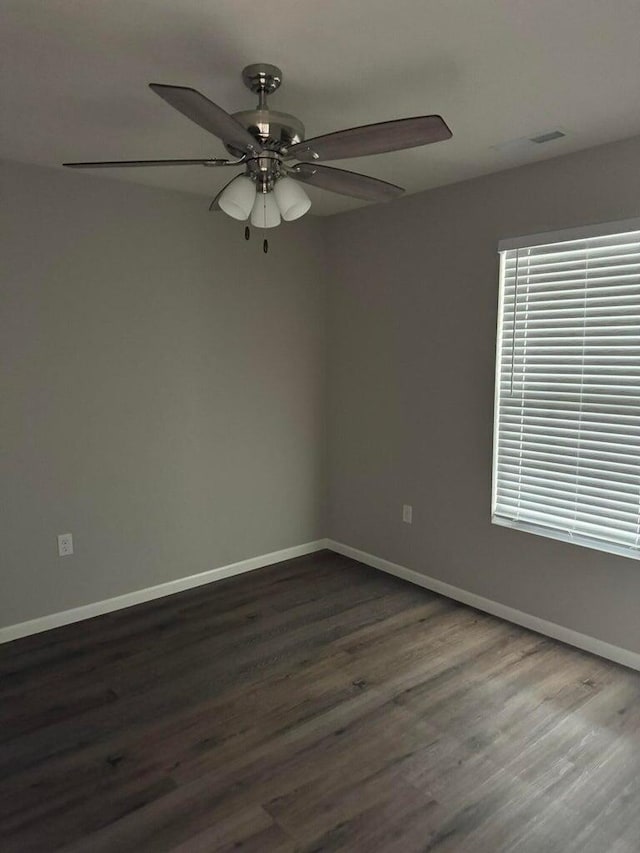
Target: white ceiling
[(75, 74)]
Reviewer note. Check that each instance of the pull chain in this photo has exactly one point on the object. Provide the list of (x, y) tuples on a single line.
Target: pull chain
[(265, 242)]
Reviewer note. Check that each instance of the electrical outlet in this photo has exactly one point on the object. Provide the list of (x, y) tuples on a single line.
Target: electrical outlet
[(407, 513), (65, 544)]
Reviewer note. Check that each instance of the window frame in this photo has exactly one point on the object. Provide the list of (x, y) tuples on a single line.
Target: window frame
[(533, 241)]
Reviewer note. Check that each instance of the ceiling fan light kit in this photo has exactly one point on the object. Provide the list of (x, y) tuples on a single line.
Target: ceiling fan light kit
[(267, 143), (291, 198), (238, 197), (265, 213)]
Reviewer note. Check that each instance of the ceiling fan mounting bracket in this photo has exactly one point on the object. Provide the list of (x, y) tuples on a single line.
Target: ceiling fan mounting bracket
[(262, 78)]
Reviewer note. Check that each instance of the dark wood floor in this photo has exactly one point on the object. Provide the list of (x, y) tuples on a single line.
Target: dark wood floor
[(317, 705)]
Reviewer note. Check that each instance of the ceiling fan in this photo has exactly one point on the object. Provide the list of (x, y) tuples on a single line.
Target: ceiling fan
[(275, 156)]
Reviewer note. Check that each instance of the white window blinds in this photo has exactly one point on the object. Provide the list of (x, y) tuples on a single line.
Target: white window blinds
[(567, 420)]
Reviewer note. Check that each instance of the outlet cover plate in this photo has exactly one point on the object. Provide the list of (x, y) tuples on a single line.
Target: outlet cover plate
[(65, 545)]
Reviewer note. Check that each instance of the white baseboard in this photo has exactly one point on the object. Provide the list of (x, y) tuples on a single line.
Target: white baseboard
[(510, 614), (87, 611)]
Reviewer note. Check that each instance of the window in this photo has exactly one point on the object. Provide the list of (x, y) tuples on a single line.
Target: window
[(567, 418)]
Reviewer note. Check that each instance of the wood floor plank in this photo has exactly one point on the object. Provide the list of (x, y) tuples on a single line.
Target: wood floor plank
[(272, 838), (316, 705)]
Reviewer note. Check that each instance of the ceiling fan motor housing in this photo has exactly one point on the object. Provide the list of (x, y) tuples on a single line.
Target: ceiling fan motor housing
[(274, 130)]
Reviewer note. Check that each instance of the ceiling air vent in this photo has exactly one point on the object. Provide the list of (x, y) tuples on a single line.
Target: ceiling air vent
[(547, 137), (524, 144)]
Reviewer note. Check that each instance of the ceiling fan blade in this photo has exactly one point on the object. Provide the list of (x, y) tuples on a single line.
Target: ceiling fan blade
[(346, 183), (373, 139), (119, 164), (209, 116)]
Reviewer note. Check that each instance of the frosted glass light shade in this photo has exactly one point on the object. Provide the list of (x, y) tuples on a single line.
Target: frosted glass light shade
[(292, 199), (238, 198), (265, 213)]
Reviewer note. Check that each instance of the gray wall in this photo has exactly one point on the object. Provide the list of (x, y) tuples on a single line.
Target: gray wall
[(411, 342), (162, 388)]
